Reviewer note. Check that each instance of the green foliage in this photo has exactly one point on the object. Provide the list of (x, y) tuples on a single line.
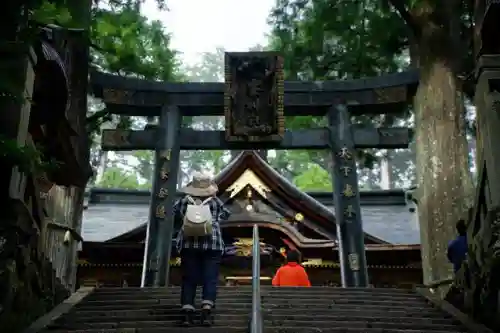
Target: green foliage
[(115, 177), (128, 44), (315, 178), (52, 13), (364, 39), (217, 162), (26, 158), (145, 166)]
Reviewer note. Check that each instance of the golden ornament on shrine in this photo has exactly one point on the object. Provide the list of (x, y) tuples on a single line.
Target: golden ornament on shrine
[(162, 193), (164, 173), (345, 154), (299, 217), (160, 211), (348, 191)]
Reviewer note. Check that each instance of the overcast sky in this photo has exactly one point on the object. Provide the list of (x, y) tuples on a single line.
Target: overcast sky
[(202, 25)]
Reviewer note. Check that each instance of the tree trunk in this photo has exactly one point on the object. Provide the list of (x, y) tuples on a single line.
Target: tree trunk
[(445, 189), (103, 164)]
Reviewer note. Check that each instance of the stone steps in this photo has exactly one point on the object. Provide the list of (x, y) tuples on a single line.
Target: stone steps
[(412, 315), (135, 310), (247, 306), (244, 290), (242, 322), (226, 329), (297, 310), (371, 316), (220, 329), (232, 296), (275, 300)]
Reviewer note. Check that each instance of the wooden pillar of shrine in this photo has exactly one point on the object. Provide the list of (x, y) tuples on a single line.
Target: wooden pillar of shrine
[(347, 201), (160, 228)]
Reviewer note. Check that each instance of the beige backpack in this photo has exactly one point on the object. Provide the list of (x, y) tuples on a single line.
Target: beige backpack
[(198, 218)]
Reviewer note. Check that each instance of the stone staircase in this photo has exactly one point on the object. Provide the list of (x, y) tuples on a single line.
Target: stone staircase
[(150, 310), (297, 310), (349, 310)]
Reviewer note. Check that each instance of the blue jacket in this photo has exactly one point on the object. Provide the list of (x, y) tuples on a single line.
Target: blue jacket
[(457, 250)]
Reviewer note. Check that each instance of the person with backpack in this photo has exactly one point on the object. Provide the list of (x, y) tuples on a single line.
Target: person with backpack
[(292, 274), (200, 244), (457, 249)]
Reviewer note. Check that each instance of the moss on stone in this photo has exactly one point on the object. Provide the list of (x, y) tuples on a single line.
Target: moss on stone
[(28, 288)]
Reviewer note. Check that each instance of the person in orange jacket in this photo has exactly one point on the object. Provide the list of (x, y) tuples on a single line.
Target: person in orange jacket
[(292, 274)]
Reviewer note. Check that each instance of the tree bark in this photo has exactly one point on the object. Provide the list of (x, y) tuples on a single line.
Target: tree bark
[(445, 187)]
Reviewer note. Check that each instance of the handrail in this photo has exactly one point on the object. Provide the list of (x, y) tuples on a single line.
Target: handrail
[(256, 321)]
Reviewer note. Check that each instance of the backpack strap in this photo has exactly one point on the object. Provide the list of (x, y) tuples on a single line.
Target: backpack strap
[(190, 200), (207, 200)]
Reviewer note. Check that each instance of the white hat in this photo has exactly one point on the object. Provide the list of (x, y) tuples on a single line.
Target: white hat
[(200, 186)]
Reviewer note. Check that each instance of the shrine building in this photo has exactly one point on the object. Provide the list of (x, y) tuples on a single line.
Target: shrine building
[(114, 231)]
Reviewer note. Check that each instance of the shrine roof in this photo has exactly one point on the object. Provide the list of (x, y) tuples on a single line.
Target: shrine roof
[(386, 215), (391, 223)]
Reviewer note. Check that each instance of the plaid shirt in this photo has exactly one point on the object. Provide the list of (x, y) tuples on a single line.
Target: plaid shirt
[(213, 242)]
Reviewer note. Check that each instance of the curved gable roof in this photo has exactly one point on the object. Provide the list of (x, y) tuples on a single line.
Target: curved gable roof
[(283, 188), (283, 192)]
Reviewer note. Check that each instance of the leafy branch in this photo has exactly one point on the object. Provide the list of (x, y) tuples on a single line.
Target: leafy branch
[(27, 158)]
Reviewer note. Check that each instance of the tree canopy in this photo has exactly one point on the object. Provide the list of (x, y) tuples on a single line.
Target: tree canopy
[(326, 39)]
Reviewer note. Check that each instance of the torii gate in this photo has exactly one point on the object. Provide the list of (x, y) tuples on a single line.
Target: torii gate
[(255, 100)]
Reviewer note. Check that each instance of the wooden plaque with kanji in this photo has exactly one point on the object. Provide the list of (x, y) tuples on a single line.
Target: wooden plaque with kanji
[(253, 100)]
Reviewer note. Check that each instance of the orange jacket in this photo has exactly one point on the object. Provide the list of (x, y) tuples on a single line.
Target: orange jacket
[(291, 275)]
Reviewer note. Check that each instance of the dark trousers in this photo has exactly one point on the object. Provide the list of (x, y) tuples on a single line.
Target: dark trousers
[(199, 267)]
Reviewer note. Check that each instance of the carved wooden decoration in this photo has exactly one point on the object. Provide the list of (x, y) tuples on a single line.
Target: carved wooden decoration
[(248, 178), (243, 247), (253, 98), (391, 95), (114, 96)]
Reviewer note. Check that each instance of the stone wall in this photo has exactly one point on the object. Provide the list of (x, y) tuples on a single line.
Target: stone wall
[(39, 226), (37, 266), (28, 284)]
